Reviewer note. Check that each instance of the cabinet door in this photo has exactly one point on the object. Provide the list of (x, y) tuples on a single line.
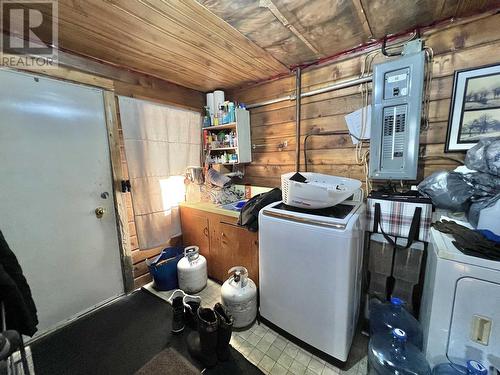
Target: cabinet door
[(238, 247), (195, 231)]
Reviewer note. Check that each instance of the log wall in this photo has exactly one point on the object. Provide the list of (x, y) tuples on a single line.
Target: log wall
[(471, 43)]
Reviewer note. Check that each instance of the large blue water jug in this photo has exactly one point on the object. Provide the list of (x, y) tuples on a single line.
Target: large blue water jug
[(471, 368), (384, 317), (395, 356)]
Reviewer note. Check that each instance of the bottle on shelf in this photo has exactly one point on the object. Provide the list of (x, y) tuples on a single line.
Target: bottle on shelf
[(385, 316), (395, 356), (207, 121)]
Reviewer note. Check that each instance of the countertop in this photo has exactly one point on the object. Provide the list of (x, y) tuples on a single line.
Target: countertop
[(210, 207)]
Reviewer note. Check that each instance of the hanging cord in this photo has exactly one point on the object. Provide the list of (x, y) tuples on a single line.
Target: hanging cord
[(333, 132), (362, 154), (384, 48)]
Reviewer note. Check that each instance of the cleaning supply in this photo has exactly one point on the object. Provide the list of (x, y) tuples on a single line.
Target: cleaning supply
[(395, 355), (384, 317)]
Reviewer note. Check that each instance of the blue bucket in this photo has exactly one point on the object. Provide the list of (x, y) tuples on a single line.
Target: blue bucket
[(163, 268)]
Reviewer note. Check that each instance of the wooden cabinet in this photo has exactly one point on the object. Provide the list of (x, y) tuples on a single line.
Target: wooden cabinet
[(225, 244), (195, 231), (239, 247)]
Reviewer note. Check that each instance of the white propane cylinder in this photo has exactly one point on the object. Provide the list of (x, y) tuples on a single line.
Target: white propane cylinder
[(192, 270), (239, 296)]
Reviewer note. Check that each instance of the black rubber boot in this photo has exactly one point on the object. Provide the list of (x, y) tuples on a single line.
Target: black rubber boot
[(225, 331), (178, 317), (202, 344), (191, 306)]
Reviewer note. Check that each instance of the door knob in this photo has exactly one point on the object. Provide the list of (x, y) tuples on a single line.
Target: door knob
[(99, 212)]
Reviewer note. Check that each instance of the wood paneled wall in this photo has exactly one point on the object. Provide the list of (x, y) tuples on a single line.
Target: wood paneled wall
[(468, 44)]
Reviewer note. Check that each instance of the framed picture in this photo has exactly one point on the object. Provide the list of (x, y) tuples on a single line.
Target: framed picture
[(475, 107)]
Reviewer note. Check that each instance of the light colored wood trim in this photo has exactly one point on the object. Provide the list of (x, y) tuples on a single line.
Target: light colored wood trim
[(284, 21), (362, 18), (120, 204)]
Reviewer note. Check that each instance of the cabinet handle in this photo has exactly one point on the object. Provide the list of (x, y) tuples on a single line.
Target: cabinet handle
[(222, 234), (205, 231)]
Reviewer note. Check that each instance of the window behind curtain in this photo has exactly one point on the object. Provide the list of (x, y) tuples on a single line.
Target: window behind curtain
[(160, 142)]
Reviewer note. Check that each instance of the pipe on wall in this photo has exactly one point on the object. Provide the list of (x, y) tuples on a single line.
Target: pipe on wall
[(298, 96), (335, 86)]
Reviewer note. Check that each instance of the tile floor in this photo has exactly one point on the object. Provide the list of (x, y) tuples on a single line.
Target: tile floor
[(274, 354)]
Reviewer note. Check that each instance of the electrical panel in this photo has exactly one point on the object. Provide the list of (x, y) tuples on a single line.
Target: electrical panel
[(396, 113)]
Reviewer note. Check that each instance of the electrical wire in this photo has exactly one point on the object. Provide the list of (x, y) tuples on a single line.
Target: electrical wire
[(429, 56), (333, 132), (443, 157)]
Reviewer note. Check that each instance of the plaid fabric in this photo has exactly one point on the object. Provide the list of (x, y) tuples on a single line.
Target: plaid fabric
[(396, 217)]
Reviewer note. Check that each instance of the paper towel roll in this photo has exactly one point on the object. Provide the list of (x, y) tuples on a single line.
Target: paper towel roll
[(218, 99), (210, 102)]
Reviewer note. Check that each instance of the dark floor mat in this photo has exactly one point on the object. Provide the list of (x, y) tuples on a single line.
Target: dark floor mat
[(168, 362), (120, 339), (116, 339)]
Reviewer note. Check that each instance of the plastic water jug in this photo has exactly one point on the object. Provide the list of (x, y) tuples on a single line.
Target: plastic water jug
[(384, 317), (471, 368), (395, 356)]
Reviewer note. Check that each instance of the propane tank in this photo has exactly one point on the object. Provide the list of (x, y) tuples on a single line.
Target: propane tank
[(239, 295), (192, 270)]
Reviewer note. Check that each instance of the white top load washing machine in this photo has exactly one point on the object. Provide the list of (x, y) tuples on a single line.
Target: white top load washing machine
[(460, 310), (310, 265)]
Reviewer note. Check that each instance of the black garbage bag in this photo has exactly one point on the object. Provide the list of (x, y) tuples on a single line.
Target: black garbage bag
[(249, 215), (448, 190), (476, 207), (485, 156)]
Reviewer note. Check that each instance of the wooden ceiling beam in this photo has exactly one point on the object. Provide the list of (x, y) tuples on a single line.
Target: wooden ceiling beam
[(280, 17), (360, 12)]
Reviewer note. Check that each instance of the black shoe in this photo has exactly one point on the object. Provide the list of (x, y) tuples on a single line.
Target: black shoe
[(191, 306), (178, 317), (202, 344), (225, 321)]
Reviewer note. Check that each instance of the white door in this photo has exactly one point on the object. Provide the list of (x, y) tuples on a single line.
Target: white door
[(55, 171)]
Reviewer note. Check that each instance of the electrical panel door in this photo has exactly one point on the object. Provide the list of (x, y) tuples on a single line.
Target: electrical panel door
[(396, 113)]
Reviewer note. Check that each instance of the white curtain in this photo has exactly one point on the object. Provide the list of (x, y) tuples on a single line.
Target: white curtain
[(160, 142)]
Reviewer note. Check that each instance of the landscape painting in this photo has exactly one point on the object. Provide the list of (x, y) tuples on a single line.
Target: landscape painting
[(478, 123), (475, 108), (482, 92)]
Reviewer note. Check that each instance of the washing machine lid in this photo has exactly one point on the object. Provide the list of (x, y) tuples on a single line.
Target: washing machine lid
[(336, 217), (446, 250)]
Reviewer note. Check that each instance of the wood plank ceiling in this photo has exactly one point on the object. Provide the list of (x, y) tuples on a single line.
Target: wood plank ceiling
[(304, 31), (177, 40), (209, 44)]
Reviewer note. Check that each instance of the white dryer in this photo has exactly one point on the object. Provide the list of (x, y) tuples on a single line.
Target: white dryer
[(460, 310)]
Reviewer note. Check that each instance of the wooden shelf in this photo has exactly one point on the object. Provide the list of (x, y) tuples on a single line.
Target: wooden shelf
[(231, 125)]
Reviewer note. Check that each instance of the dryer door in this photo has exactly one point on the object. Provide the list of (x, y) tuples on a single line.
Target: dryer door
[(475, 325)]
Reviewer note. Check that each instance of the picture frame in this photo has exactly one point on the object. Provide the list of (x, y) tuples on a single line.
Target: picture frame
[(475, 107)]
